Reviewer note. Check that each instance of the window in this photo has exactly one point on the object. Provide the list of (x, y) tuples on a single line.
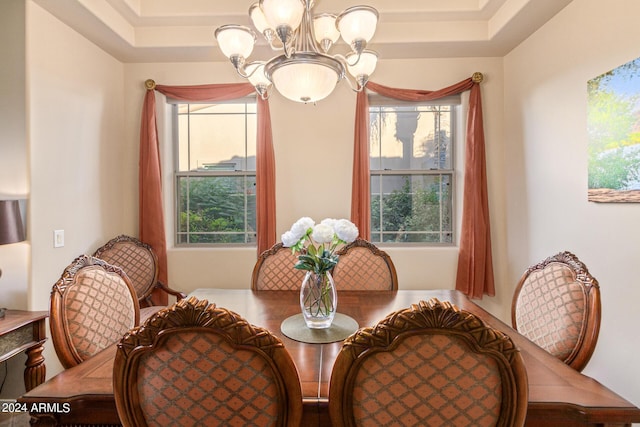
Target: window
[(412, 173), (215, 175)]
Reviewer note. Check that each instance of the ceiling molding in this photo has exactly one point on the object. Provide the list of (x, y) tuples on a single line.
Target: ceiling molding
[(177, 31)]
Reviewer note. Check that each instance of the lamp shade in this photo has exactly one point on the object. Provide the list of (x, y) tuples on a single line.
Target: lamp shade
[(283, 12), (258, 18), (304, 77), (324, 28), (357, 23), (365, 66), (11, 227), (235, 40)]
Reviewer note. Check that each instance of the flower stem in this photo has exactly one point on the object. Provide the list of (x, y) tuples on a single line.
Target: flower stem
[(318, 300)]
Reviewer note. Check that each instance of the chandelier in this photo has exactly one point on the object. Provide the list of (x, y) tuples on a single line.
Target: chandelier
[(304, 71)]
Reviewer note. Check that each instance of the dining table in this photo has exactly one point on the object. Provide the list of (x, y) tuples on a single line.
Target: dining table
[(558, 395)]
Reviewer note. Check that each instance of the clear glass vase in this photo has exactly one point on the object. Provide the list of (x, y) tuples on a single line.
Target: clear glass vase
[(318, 300)]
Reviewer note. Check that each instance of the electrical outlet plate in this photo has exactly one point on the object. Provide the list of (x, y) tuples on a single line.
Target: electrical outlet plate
[(58, 238)]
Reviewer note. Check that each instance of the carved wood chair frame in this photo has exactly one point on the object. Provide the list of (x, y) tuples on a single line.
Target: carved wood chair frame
[(193, 315), (588, 336), (437, 318), (58, 319), (143, 290)]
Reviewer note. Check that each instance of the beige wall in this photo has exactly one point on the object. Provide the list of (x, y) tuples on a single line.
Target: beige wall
[(319, 138), (80, 166), (546, 169), (80, 161)]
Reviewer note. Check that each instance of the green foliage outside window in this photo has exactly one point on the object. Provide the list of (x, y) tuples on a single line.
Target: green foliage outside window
[(212, 209), (421, 214)]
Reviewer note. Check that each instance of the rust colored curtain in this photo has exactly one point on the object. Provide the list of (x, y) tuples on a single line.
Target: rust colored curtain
[(151, 217), (361, 180), (475, 265), (265, 180)]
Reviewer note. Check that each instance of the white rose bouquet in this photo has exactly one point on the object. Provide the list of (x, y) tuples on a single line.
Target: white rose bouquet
[(317, 243)]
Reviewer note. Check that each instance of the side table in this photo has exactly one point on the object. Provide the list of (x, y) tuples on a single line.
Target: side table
[(22, 330)]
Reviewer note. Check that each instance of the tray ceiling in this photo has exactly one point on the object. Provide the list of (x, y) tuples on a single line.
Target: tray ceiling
[(176, 31)]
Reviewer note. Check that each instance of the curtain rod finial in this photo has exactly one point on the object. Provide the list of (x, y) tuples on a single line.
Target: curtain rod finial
[(477, 77), (150, 84)]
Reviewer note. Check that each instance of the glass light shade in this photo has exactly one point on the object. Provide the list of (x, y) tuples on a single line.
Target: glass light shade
[(235, 40), (305, 77), (257, 76), (358, 22), (365, 66), (258, 18), (283, 12), (324, 27)]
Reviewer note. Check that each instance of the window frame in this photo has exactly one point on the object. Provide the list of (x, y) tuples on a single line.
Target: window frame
[(455, 102), (178, 175)]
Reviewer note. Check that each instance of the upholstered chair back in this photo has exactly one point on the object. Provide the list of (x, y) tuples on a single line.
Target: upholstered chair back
[(428, 365), (195, 364), (274, 270), (557, 305), (363, 266), (139, 262), (136, 258), (92, 305)]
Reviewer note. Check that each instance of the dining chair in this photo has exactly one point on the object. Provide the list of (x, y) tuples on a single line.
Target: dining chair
[(274, 271), (140, 263), (196, 364), (91, 306), (428, 365), (363, 266), (556, 305)]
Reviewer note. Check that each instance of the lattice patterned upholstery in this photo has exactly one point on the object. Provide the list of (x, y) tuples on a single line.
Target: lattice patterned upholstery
[(95, 322), (274, 270), (553, 307), (139, 262), (196, 378), (551, 310), (195, 364), (362, 266), (428, 365), (92, 306), (432, 379)]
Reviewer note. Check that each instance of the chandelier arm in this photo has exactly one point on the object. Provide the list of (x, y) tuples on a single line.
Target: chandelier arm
[(274, 46), (288, 38), (241, 69), (272, 38), (346, 61), (289, 50), (263, 92), (358, 84)]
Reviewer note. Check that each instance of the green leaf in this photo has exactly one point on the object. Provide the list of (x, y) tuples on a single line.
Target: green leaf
[(300, 265), (311, 250)]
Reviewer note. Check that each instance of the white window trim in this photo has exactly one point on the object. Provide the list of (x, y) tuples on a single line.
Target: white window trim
[(457, 171)]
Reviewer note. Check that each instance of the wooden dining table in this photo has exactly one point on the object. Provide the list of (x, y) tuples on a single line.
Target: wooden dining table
[(558, 395)]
